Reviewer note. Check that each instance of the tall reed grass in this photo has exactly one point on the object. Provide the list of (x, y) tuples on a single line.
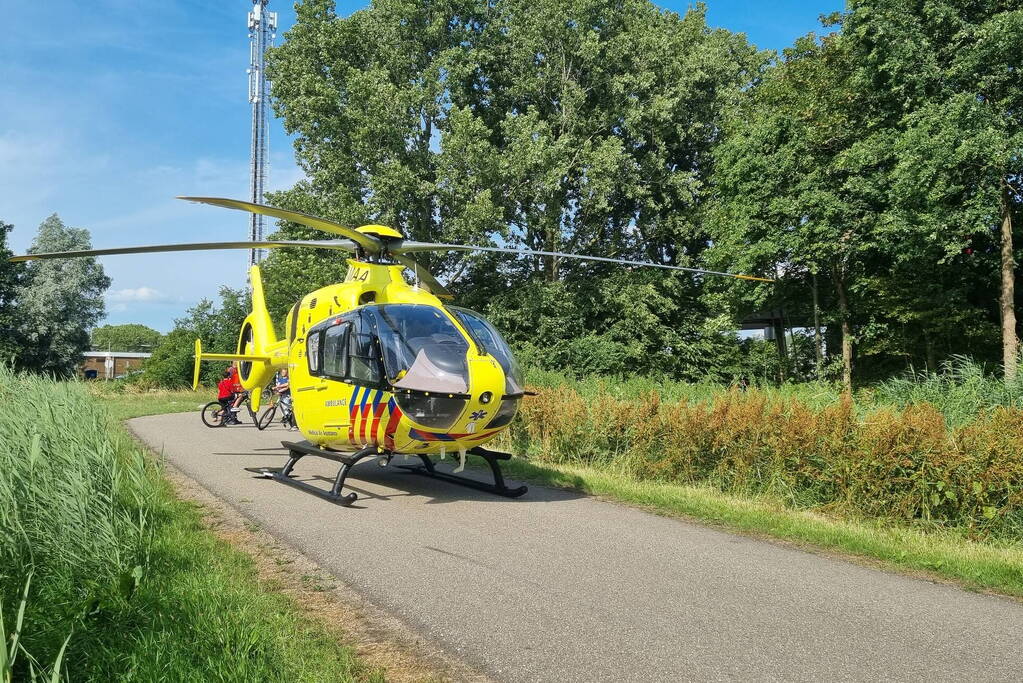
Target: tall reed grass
[(75, 512), (960, 389), (122, 567)]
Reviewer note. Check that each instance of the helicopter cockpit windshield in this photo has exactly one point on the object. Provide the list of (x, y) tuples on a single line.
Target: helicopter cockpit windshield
[(422, 349), (487, 336)]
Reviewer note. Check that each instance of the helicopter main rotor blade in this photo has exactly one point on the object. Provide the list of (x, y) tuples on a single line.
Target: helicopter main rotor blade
[(367, 242), (429, 246), (432, 285), (343, 245)]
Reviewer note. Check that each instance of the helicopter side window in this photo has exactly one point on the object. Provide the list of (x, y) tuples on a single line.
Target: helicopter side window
[(364, 365), (335, 357), (313, 353)]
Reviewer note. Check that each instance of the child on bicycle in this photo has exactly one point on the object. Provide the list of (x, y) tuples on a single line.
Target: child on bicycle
[(282, 386), (225, 395), (239, 393)]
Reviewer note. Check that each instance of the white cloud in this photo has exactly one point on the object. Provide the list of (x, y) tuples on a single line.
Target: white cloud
[(129, 294)]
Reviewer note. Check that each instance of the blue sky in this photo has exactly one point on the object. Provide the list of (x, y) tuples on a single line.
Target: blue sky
[(110, 108)]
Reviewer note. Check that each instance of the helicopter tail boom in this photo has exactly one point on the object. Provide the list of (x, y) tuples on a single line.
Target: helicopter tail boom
[(258, 340), (259, 353)]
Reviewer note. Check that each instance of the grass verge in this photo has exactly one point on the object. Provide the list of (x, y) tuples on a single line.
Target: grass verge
[(974, 565), (122, 570)]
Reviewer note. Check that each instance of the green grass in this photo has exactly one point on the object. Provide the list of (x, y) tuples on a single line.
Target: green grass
[(961, 389), (120, 568), (122, 405), (993, 566)]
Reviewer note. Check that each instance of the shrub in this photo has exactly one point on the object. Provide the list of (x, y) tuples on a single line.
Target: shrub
[(905, 464)]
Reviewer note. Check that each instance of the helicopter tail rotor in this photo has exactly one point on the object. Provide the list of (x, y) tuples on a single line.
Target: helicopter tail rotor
[(257, 338)]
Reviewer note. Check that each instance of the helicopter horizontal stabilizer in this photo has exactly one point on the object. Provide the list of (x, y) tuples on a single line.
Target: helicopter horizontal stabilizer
[(235, 356)]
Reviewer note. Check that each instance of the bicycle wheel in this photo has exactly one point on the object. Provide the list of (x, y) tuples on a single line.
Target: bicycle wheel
[(267, 417), (211, 416)]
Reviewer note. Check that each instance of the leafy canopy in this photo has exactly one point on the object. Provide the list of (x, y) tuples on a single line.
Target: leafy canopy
[(59, 301)]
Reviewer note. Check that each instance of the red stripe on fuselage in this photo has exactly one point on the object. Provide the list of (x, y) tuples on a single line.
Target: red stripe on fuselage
[(376, 422), (484, 435), (364, 410)]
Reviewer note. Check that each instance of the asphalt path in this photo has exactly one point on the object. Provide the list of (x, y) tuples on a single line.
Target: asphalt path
[(555, 586)]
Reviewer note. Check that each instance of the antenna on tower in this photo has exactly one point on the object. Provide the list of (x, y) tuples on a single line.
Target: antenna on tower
[(262, 31)]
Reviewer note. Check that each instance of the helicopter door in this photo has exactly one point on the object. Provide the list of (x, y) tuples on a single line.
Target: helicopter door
[(346, 350), (364, 364), (334, 353)]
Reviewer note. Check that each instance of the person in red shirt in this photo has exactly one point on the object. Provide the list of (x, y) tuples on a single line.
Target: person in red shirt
[(225, 394), (239, 394)]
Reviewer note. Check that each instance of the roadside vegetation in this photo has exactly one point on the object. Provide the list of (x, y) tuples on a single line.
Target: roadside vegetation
[(924, 472), (117, 569), (921, 472)]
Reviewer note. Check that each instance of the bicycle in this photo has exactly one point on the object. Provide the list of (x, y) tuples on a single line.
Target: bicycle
[(282, 401), (213, 415)]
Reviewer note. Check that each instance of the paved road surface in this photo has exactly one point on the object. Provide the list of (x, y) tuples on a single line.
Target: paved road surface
[(558, 587)]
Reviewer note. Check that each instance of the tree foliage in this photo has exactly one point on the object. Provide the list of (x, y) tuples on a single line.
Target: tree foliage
[(10, 315), (577, 125), (172, 362), (884, 158), (58, 301), (129, 337)]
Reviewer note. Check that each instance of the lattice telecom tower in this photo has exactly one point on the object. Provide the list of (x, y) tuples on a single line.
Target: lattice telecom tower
[(262, 31)]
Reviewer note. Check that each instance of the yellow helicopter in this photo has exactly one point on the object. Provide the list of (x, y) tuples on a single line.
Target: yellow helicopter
[(378, 366)]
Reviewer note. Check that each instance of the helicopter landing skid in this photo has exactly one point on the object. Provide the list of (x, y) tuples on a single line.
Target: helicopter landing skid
[(492, 457), (304, 448)]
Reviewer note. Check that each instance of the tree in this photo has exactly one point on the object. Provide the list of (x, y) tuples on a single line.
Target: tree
[(786, 182), (60, 300), (886, 158), (365, 97), (948, 74), (172, 362), (10, 276), (129, 337), (577, 125)]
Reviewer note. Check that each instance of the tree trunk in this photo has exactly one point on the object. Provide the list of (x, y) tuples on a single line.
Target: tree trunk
[(818, 352), (552, 237), (778, 324), (1010, 343), (843, 310)]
